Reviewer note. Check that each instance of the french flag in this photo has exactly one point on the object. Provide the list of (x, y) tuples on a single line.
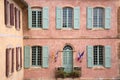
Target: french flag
[(56, 56), (80, 56)]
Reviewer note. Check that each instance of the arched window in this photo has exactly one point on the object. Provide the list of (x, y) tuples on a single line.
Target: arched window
[(98, 55), (98, 17), (67, 17), (36, 56), (67, 47)]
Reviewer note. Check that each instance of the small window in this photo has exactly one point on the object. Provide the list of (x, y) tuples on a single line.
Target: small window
[(98, 55), (9, 61), (17, 18), (67, 17), (98, 17), (18, 58), (36, 56), (37, 18)]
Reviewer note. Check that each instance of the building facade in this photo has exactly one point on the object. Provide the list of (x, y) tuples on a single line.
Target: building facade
[(11, 39), (65, 28)]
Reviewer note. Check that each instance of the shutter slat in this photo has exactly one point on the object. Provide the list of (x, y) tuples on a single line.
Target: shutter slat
[(89, 17), (45, 56), (26, 56), (76, 18), (29, 17), (107, 56), (12, 14), (21, 57), (7, 62), (59, 18), (107, 18), (13, 60), (17, 65), (90, 56), (5, 11), (15, 17), (45, 17)]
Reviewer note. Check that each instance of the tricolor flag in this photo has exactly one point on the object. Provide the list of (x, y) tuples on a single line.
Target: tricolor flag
[(80, 56), (56, 56)]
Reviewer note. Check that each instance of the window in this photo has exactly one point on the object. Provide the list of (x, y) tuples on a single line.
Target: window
[(18, 58), (98, 53), (36, 56), (98, 17), (9, 61), (9, 13), (99, 56), (37, 18), (17, 18), (67, 17)]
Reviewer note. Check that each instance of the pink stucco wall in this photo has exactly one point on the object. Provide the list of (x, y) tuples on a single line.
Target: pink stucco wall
[(78, 39)]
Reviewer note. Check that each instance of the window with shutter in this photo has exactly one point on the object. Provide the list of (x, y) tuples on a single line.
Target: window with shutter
[(9, 62), (18, 58)]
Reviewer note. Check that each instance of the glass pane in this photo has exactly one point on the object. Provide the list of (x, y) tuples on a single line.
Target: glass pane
[(95, 56), (40, 19), (33, 55), (33, 18), (100, 55), (39, 55)]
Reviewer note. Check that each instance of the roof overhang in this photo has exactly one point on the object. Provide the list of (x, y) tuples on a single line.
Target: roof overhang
[(21, 3)]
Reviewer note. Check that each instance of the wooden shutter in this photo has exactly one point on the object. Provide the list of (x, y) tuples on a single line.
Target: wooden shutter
[(12, 14), (29, 17), (59, 18), (5, 11), (12, 59), (21, 57), (76, 18), (90, 56), (45, 56), (107, 56), (107, 18), (45, 17), (89, 18), (26, 56), (15, 17), (17, 65), (7, 62)]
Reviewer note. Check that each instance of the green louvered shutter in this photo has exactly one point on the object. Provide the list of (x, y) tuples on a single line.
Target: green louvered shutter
[(29, 17), (90, 56), (107, 18), (59, 17), (45, 56), (107, 56), (76, 18), (45, 17), (26, 56), (89, 18)]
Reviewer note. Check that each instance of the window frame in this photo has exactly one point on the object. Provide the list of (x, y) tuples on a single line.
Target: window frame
[(36, 59), (9, 61), (67, 17), (37, 10), (98, 55), (97, 15)]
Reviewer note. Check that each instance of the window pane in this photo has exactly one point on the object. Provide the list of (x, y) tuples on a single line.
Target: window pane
[(33, 55), (95, 55), (98, 17), (100, 55), (39, 55), (33, 18), (40, 19), (65, 17)]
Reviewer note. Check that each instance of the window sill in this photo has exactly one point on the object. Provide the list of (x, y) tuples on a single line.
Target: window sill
[(36, 28), (10, 74), (67, 29), (98, 68), (35, 67), (9, 26), (95, 29)]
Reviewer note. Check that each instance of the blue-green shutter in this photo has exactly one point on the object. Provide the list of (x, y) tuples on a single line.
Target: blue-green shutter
[(45, 17), (45, 56), (107, 18), (29, 17), (77, 18), (26, 56), (107, 56), (59, 17), (90, 56), (89, 18)]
